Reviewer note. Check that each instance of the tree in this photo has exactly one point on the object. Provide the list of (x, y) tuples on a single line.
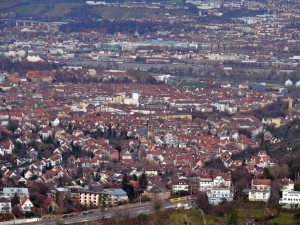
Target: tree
[(157, 205), (233, 219), (127, 187), (279, 171), (202, 201), (16, 210), (59, 222), (176, 218), (3, 136), (275, 194), (143, 182), (134, 177), (241, 180), (15, 200), (38, 193), (13, 125), (267, 173), (142, 218), (76, 150)]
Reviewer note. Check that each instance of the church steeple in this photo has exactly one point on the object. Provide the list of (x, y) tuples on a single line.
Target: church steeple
[(136, 33), (150, 131)]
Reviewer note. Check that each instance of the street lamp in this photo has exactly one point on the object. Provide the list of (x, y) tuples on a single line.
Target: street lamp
[(14, 217)]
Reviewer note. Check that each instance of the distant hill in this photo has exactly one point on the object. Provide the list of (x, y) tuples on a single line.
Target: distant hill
[(51, 10)]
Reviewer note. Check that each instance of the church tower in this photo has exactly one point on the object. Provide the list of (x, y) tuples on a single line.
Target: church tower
[(150, 131), (290, 106)]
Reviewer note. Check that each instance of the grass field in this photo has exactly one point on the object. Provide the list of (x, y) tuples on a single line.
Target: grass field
[(48, 9), (193, 84), (174, 1), (124, 13), (60, 9), (28, 10), (243, 213), (4, 4), (285, 218)]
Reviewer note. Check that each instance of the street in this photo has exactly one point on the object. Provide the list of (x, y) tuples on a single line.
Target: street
[(130, 210)]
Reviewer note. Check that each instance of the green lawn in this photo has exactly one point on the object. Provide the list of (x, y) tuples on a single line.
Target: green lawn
[(286, 219), (214, 220), (254, 214), (193, 84), (174, 1)]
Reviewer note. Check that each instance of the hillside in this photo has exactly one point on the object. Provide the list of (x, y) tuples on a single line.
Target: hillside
[(74, 9)]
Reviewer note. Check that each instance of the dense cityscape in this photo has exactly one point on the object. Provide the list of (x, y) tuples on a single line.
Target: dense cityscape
[(156, 112)]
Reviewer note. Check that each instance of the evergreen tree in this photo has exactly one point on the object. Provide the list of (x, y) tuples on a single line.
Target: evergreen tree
[(233, 219), (127, 187), (125, 181), (15, 200), (143, 182), (134, 177)]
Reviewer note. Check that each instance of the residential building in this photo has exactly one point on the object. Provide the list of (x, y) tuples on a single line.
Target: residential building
[(217, 195), (25, 204), (157, 192), (205, 183), (5, 205), (180, 184), (103, 197), (11, 191), (290, 198), (260, 190)]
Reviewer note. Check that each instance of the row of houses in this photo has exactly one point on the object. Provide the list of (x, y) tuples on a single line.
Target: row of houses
[(9, 193)]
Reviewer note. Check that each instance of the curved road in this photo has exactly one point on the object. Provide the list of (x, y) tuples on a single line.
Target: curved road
[(117, 212)]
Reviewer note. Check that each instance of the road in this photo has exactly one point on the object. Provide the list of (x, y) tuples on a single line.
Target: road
[(129, 210)]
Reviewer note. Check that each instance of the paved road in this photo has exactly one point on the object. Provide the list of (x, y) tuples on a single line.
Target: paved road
[(118, 212)]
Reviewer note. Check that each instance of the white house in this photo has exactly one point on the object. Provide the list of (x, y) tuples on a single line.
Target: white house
[(25, 204), (150, 171), (46, 132), (171, 139), (205, 183), (180, 184), (54, 160), (28, 174), (260, 190), (216, 195), (6, 148), (222, 180), (55, 122), (290, 198), (5, 205), (286, 184), (11, 191)]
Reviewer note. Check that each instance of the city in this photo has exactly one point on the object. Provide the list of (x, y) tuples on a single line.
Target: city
[(120, 112)]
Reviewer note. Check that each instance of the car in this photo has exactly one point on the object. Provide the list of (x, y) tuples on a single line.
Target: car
[(85, 213), (76, 214), (71, 215), (65, 216), (91, 212)]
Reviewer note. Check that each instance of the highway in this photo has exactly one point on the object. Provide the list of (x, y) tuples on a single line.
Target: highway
[(129, 210)]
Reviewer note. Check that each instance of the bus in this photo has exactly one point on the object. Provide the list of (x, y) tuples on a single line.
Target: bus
[(173, 200)]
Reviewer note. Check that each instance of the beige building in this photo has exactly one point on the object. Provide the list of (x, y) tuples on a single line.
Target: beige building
[(103, 197), (156, 192)]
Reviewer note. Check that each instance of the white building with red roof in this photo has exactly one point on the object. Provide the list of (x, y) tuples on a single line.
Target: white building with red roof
[(25, 204)]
